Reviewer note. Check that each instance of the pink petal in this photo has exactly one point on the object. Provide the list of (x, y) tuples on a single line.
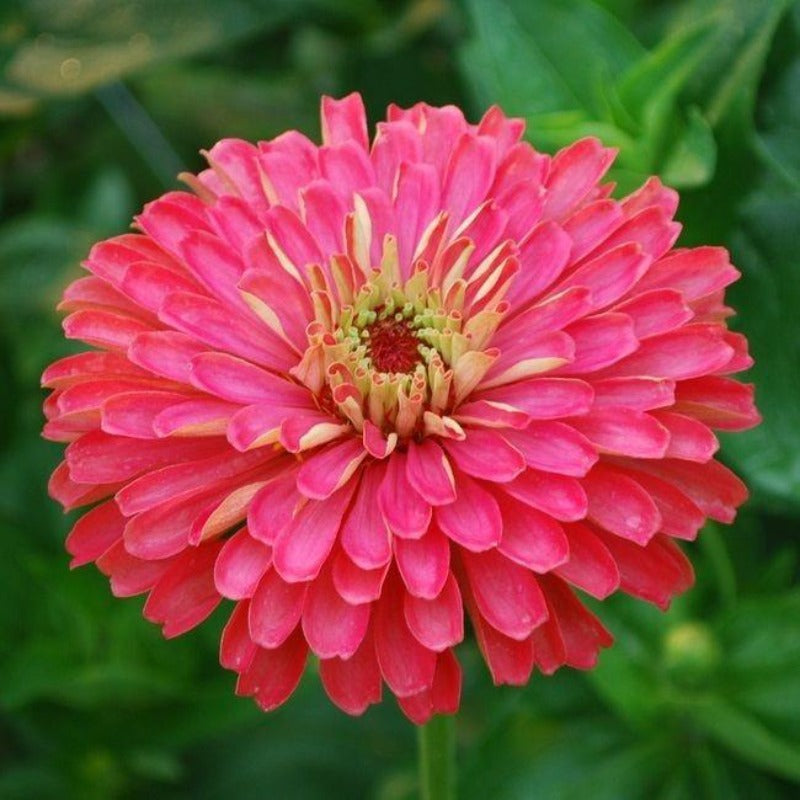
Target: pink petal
[(610, 275), (695, 273), (688, 352), (240, 565), (375, 442), (656, 312), (544, 398), (651, 193), (294, 239), (554, 447), (560, 496), (323, 213), (656, 572), (275, 609), (715, 490), (134, 413), (424, 564), (272, 509), (202, 417), (209, 321), (548, 647), (273, 675), (581, 632), (486, 454), (185, 594), (238, 381), (82, 366), (130, 575), (330, 468), (437, 622), (681, 516), (406, 513), (94, 533), (530, 538), (552, 314), (719, 402), (354, 684), (354, 584), (506, 594), (651, 228), (98, 457), (269, 289), (347, 167), (164, 530), (530, 356), (543, 256), (365, 537), (301, 548), (469, 174), (235, 221), (216, 266), (591, 566), (473, 520), (600, 341), (416, 203), (165, 353), (236, 648), (443, 697), (161, 485), (309, 429), (344, 120), (395, 143), (148, 285), (288, 162), (490, 415), (332, 627), (237, 161), (638, 394), (106, 329), (71, 494), (620, 505), (429, 472), (168, 219), (407, 667), (689, 438), (623, 431), (574, 172), (510, 661), (253, 427), (592, 224)]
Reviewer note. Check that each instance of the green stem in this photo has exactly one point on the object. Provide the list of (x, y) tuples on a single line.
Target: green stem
[(436, 747)]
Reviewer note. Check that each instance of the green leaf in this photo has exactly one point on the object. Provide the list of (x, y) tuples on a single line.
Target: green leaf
[(515, 58), (767, 248), (742, 734), (73, 48), (693, 159), (737, 49)]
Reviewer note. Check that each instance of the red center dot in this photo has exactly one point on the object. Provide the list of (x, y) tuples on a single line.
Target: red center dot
[(393, 346)]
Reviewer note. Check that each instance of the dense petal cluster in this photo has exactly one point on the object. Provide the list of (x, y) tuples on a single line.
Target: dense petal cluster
[(364, 390)]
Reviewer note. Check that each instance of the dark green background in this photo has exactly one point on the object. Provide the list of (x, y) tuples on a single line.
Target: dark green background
[(102, 102)]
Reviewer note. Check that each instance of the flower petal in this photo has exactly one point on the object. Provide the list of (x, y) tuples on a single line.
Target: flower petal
[(301, 548), (437, 622), (332, 627), (473, 520)]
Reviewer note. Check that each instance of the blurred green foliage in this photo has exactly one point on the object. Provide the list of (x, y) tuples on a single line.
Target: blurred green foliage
[(103, 101)]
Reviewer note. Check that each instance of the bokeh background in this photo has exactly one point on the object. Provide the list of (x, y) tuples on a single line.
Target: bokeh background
[(103, 102)]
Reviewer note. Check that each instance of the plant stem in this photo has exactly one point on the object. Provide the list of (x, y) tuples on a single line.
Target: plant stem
[(436, 747)]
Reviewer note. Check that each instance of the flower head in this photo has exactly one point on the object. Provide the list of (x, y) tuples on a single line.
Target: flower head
[(361, 389)]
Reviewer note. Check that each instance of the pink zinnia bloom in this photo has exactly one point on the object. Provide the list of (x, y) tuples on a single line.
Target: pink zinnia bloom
[(361, 389)]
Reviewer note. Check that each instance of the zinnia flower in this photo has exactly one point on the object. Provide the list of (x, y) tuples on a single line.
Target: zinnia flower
[(363, 389)]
